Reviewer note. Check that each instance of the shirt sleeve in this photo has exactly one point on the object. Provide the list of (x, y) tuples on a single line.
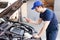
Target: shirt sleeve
[(40, 15), (48, 16)]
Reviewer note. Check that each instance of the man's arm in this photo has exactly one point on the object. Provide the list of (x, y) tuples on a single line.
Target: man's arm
[(44, 28), (34, 22)]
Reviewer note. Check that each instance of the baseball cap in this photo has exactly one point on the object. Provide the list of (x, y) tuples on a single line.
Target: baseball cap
[(37, 3)]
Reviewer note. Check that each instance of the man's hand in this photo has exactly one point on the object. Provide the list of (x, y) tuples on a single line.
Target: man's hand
[(36, 36), (28, 20)]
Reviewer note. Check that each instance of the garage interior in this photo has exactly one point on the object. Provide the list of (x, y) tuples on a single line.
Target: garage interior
[(24, 10)]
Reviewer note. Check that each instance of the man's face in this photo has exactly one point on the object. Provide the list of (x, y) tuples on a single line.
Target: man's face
[(38, 9)]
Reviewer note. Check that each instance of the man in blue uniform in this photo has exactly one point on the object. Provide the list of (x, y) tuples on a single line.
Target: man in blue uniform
[(50, 21)]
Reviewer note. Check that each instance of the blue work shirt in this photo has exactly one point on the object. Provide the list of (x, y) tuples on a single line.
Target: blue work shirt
[(49, 15)]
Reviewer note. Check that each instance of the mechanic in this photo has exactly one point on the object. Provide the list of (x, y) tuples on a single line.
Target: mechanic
[(50, 21)]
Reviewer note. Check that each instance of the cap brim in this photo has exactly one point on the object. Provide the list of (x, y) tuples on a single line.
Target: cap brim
[(33, 8)]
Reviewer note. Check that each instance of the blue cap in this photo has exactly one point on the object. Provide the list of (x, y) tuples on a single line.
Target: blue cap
[(37, 3)]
